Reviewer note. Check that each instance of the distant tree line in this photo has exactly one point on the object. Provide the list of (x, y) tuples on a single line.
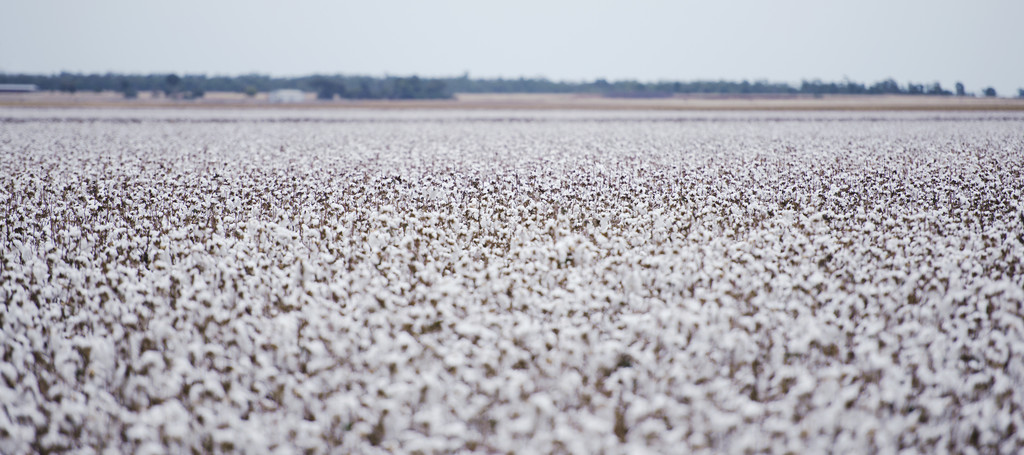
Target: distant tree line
[(391, 87), (195, 86), (886, 87), (364, 87), (624, 88)]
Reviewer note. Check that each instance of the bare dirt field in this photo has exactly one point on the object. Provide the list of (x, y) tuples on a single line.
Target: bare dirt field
[(535, 101)]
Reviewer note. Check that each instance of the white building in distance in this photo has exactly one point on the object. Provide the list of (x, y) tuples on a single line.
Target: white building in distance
[(286, 96), (18, 88)]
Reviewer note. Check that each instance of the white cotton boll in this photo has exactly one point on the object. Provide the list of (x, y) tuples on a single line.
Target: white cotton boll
[(698, 440), (521, 425), (545, 406), (805, 384), (129, 319), (141, 432), (173, 419), (102, 358), (19, 436), (152, 361), (632, 283), (151, 448)]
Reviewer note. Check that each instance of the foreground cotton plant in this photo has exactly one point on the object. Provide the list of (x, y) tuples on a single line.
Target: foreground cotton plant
[(439, 282)]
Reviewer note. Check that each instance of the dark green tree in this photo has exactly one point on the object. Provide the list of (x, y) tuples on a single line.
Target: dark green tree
[(172, 81), (887, 86), (127, 89), (936, 89), (325, 87), (960, 89), (990, 92), (364, 90), (68, 85)]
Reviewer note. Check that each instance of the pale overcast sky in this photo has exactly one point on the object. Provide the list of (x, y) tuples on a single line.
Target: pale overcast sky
[(978, 42)]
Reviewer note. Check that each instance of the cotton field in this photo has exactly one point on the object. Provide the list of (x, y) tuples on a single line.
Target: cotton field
[(511, 282)]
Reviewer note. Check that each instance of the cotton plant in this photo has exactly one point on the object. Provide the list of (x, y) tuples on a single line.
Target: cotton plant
[(434, 282)]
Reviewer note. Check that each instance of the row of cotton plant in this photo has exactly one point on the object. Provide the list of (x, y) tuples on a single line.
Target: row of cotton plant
[(537, 283)]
